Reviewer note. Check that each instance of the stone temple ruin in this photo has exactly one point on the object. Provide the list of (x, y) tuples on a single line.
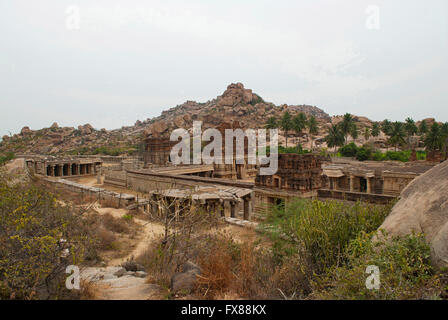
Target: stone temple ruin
[(381, 181), (63, 167), (297, 176), (231, 190)]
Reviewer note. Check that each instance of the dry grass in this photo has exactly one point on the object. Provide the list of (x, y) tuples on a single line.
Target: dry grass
[(89, 291), (216, 271), (116, 225)]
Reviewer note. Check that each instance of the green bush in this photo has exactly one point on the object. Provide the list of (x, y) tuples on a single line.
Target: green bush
[(404, 266), (322, 229), (32, 256), (364, 153), (349, 150), (402, 156), (5, 158)]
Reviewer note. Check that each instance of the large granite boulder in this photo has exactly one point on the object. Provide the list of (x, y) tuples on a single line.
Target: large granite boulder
[(423, 208)]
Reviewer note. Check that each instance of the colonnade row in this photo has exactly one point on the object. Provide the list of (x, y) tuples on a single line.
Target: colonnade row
[(221, 207), (70, 169)]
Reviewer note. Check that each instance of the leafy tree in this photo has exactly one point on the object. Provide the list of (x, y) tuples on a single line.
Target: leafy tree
[(434, 139), (349, 150), (411, 129), (272, 123), (335, 137), (346, 125), (286, 124), (397, 134), (32, 256)]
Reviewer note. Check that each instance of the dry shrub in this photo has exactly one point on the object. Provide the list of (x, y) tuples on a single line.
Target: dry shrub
[(106, 238), (89, 291), (216, 271), (157, 263), (109, 203), (291, 278), (115, 224)]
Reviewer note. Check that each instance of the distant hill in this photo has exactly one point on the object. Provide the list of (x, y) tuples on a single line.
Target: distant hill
[(236, 103)]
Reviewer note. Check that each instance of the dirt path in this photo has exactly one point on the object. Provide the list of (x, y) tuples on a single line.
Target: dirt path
[(125, 287), (150, 231)]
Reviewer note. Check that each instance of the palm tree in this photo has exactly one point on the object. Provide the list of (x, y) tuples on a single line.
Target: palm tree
[(354, 132), (335, 137), (444, 133), (272, 123), (286, 124), (299, 123), (397, 134), (433, 139), (411, 129), (367, 134), (375, 129), (423, 128), (386, 127), (346, 125), (312, 128)]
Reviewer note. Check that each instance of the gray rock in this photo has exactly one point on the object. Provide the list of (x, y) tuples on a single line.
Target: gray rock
[(141, 274), (185, 280), (120, 272), (187, 266), (423, 208)]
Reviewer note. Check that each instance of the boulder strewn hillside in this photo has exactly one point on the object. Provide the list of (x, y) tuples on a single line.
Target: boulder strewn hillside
[(236, 103)]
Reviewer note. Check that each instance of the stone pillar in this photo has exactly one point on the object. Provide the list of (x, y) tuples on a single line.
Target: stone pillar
[(53, 170), (369, 185), (352, 183), (247, 208), (98, 178), (232, 210), (335, 184)]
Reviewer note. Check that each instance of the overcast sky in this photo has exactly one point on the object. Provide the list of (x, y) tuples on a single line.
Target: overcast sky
[(123, 61)]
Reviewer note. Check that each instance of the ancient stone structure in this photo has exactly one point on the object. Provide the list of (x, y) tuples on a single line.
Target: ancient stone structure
[(235, 170), (163, 181), (65, 167), (298, 176), (157, 150), (212, 198), (371, 177)]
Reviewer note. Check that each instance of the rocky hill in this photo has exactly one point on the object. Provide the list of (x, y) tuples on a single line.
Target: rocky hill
[(236, 103)]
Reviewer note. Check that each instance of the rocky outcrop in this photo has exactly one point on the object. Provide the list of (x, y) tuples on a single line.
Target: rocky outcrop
[(423, 208), (236, 103), (25, 131), (234, 95), (115, 283)]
